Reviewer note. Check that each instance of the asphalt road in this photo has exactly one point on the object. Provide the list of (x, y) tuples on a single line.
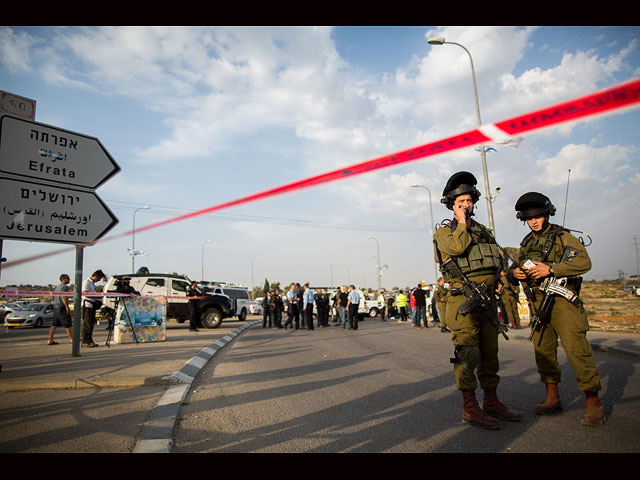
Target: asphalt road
[(387, 388), (383, 388)]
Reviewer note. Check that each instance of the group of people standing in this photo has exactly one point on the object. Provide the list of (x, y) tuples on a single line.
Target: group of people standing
[(298, 303), (90, 306), (468, 253), (414, 303)]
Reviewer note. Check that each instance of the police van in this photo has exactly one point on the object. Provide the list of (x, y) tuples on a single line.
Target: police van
[(239, 296)]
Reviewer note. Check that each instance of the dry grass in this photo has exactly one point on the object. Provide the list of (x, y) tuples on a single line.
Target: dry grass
[(610, 307)]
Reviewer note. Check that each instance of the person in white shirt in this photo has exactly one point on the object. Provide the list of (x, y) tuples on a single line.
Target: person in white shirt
[(89, 307)]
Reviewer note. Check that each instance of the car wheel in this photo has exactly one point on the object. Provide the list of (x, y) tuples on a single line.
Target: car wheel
[(38, 323), (212, 318), (373, 312), (243, 315)]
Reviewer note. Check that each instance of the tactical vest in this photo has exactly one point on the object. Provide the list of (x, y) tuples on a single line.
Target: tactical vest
[(482, 256), (542, 247)]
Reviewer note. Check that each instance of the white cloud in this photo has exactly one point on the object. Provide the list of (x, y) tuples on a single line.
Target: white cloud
[(599, 165)]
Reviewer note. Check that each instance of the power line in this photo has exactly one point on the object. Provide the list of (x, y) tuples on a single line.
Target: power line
[(166, 210)]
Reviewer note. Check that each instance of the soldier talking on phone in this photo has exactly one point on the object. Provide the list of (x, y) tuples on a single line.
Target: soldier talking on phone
[(468, 246)]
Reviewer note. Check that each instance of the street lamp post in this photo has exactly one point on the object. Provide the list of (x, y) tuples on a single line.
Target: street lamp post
[(133, 238), (433, 228), (202, 260), (379, 264), (331, 265), (252, 286), (441, 41)]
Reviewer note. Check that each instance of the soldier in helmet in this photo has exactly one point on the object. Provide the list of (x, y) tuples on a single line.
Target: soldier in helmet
[(545, 246), (474, 335)]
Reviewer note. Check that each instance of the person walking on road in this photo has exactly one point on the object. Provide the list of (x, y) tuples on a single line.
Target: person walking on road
[(555, 253), (61, 310), (292, 312), (343, 300), (266, 309), (402, 306), (474, 334), (421, 306), (381, 305), (194, 309), (308, 300), (90, 305), (353, 302), (277, 307)]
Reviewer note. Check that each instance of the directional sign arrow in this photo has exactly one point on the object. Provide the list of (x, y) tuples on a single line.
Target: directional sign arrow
[(39, 151), (31, 211)]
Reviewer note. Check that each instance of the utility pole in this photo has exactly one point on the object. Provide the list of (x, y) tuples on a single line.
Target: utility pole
[(637, 248)]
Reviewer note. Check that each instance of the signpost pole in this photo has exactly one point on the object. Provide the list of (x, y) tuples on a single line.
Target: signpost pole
[(77, 303)]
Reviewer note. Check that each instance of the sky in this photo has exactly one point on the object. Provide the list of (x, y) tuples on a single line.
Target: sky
[(198, 116)]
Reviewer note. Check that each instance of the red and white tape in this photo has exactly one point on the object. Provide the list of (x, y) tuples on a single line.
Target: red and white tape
[(625, 95), (44, 293)]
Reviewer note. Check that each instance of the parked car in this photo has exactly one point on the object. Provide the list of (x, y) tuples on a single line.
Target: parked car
[(7, 308), (32, 315), (256, 307)]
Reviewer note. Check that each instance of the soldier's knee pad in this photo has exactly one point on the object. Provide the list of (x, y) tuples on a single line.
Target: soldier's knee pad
[(467, 356)]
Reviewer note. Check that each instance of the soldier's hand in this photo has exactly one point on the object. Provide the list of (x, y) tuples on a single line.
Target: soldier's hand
[(519, 273), (460, 213), (541, 270)]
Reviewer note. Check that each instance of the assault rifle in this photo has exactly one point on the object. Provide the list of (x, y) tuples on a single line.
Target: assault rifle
[(551, 288), (478, 296)]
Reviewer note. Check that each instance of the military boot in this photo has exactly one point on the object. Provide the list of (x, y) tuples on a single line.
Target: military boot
[(474, 415), (594, 411), (551, 403), (496, 408)]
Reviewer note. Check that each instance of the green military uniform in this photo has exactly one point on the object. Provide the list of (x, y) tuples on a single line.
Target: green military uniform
[(546, 244), (567, 320), (440, 295), (510, 299), (474, 335)]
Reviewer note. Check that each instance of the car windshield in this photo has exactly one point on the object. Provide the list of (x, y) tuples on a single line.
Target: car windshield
[(33, 306)]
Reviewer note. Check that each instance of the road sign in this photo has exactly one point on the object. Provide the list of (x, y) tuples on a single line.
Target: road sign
[(37, 212), (39, 151), (17, 106)]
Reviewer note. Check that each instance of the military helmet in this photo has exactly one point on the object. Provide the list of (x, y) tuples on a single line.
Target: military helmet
[(459, 184), (534, 204)]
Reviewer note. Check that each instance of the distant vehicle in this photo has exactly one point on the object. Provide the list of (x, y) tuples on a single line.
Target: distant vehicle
[(368, 306), (7, 308), (213, 307), (33, 315), (240, 301), (256, 307)]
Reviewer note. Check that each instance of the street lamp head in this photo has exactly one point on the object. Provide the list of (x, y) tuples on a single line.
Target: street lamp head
[(436, 41), (414, 185), (146, 207)]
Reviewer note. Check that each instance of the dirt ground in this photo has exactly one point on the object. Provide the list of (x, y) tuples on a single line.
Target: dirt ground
[(610, 308)]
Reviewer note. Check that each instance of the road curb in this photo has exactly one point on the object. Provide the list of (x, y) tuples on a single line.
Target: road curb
[(157, 434)]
